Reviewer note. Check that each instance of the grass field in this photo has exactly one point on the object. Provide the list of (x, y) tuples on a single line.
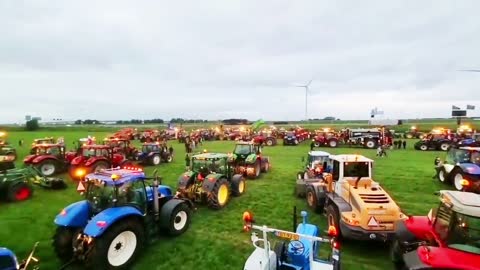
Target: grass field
[(215, 239)]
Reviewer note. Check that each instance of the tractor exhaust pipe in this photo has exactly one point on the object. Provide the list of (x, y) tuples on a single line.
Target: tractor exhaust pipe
[(156, 205), (294, 219)]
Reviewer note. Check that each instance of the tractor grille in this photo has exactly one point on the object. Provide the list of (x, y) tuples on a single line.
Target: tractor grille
[(374, 198)]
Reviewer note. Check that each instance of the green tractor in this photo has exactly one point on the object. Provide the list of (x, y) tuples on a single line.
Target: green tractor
[(210, 180), (16, 184), (248, 161)]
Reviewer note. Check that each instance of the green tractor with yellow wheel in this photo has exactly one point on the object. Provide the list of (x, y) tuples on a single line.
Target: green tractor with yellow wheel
[(210, 180)]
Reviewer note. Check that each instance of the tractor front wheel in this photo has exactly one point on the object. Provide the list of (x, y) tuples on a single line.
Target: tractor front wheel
[(333, 219), (178, 219), (47, 167), (219, 195), (442, 175), (19, 192), (444, 146), (312, 200), (63, 243), (117, 247), (238, 185), (457, 177)]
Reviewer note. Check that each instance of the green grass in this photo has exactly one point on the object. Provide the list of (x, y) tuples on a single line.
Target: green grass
[(215, 239)]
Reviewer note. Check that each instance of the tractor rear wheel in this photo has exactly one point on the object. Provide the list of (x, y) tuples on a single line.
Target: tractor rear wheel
[(155, 160), (19, 192), (178, 219), (99, 165), (370, 144), (312, 200), (333, 219), (333, 143), (47, 167), (219, 195), (118, 247), (444, 146), (269, 142), (63, 243), (239, 185)]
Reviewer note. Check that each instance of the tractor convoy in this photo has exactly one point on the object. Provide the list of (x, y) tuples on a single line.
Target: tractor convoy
[(122, 209)]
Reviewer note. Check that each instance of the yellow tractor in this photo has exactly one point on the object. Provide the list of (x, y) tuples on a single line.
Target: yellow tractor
[(355, 205)]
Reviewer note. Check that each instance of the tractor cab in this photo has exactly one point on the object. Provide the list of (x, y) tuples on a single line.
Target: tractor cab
[(243, 150), (210, 163), (46, 140), (448, 238), (299, 250), (57, 150), (121, 146), (116, 187), (317, 159)]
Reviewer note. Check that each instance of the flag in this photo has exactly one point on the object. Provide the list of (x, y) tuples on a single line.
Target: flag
[(455, 107), (258, 124), (470, 107)]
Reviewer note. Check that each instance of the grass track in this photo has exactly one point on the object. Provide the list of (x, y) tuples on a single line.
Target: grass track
[(215, 239)]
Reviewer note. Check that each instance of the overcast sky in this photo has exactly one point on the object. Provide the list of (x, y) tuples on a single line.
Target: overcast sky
[(222, 59)]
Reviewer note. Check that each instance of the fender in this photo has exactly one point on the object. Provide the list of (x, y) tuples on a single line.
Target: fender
[(29, 158), (414, 228), (78, 161), (163, 192), (101, 222), (210, 181), (184, 179), (74, 215), (39, 159), (92, 160), (470, 168)]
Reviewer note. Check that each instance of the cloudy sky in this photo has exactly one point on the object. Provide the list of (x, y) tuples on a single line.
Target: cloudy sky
[(221, 59)]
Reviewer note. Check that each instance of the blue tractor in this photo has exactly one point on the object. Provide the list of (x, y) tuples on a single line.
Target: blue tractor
[(461, 168), (9, 261), (299, 253), (154, 154), (121, 210)]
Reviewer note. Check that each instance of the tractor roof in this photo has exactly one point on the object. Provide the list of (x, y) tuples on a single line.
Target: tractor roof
[(210, 156), (466, 203), (96, 146), (350, 158), (471, 148), (48, 145), (243, 142), (318, 154), (117, 177)]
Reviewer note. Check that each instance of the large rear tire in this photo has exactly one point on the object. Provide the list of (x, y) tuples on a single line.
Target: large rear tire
[(48, 167), (333, 143), (118, 247), (269, 142), (220, 194), (370, 144), (20, 191)]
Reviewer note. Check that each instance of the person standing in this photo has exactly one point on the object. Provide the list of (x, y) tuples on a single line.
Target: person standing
[(312, 145), (404, 143), (399, 145)]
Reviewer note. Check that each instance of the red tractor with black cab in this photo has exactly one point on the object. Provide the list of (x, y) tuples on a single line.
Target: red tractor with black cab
[(122, 146), (325, 137), (448, 238)]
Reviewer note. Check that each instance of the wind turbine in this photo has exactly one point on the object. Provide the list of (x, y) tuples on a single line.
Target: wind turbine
[(306, 97)]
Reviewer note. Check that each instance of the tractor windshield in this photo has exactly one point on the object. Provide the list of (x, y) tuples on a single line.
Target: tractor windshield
[(463, 156), (92, 152), (356, 169), (47, 151), (464, 234), (209, 165), (99, 194), (242, 149), (149, 148), (103, 196)]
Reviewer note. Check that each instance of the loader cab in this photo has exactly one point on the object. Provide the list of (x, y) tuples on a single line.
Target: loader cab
[(347, 167)]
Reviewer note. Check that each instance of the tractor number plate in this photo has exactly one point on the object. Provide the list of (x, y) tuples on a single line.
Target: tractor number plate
[(287, 235)]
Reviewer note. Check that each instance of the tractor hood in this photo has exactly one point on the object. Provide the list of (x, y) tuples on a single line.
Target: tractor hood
[(29, 159), (470, 168), (78, 160), (69, 156), (447, 258), (74, 215)]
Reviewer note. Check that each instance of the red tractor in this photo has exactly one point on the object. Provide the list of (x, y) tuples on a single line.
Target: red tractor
[(94, 158), (301, 134), (128, 133), (448, 238), (122, 146), (49, 159), (267, 138), (326, 137), (150, 135)]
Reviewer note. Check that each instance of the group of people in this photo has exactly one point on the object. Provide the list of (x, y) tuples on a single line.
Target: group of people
[(399, 144)]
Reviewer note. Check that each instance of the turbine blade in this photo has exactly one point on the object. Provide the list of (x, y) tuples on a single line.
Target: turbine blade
[(309, 82)]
